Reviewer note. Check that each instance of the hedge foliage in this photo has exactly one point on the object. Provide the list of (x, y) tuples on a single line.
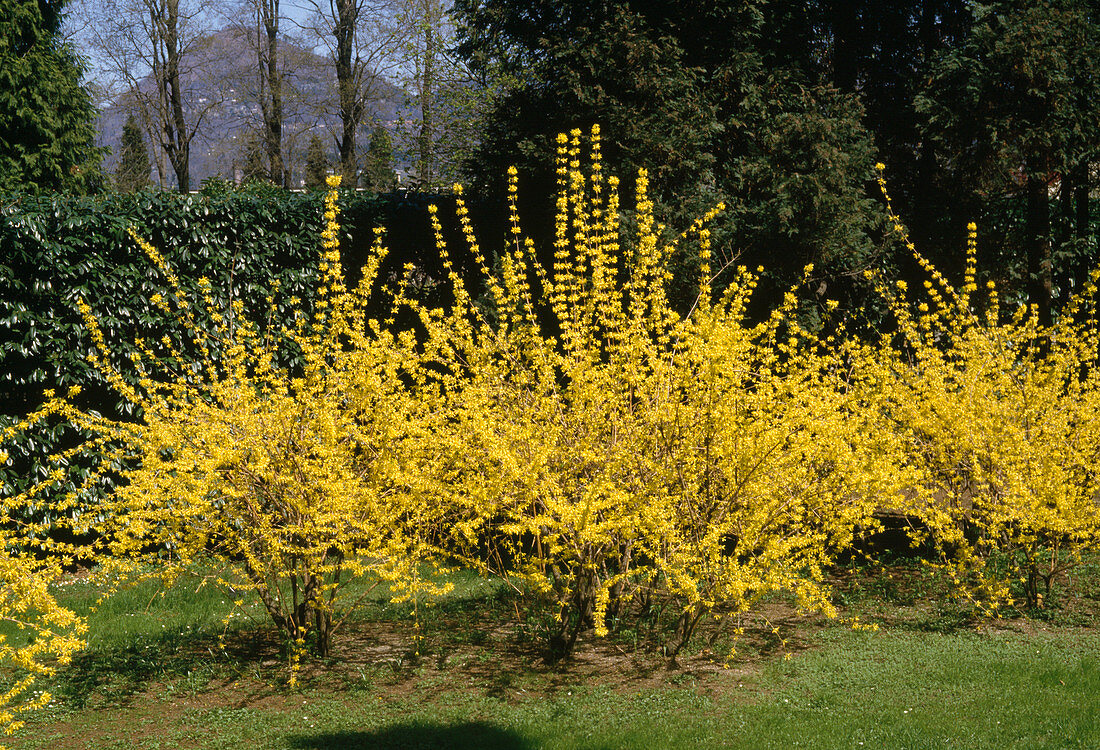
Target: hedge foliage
[(56, 250)]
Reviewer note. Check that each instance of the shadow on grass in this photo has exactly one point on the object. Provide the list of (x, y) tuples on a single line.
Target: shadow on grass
[(112, 676), (464, 736)]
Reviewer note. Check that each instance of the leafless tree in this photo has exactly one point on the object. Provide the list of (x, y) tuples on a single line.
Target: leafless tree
[(153, 50), (426, 18), (364, 39), (259, 22), (448, 100)]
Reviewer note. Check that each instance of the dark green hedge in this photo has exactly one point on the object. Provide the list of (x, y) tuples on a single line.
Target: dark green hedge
[(54, 250)]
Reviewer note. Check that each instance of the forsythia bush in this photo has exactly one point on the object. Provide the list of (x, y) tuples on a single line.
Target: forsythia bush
[(614, 456), (41, 634), (294, 483), (46, 634), (997, 430)]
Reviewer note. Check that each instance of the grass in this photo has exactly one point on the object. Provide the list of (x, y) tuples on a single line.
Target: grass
[(930, 677)]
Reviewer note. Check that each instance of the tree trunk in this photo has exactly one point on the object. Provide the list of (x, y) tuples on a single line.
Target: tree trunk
[(424, 138), (1083, 260), (1064, 234), (175, 124), (271, 92), (151, 130), (351, 107), (1037, 242)]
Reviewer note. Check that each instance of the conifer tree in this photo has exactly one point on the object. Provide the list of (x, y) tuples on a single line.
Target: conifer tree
[(316, 165), (254, 165), (1014, 106), (884, 51), (700, 95), (47, 120), (133, 163), (379, 176)]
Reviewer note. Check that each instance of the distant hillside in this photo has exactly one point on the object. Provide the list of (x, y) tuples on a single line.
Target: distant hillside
[(221, 86)]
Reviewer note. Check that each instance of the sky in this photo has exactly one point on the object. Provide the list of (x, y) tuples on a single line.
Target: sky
[(294, 13)]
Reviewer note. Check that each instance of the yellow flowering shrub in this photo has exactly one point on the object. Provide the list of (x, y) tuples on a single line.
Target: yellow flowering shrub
[(620, 463), (614, 457), (997, 427), (294, 483), (42, 635), (775, 463)]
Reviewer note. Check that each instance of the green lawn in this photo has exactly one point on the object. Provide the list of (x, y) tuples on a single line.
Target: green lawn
[(154, 676)]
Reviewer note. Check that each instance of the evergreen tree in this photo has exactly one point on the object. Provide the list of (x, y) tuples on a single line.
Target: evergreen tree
[(316, 165), (378, 175), (254, 165), (980, 110), (883, 51), (576, 64), (1015, 108), (47, 120), (702, 95), (133, 163)]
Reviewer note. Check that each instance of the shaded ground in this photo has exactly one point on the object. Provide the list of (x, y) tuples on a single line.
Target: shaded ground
[(481, 649)]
